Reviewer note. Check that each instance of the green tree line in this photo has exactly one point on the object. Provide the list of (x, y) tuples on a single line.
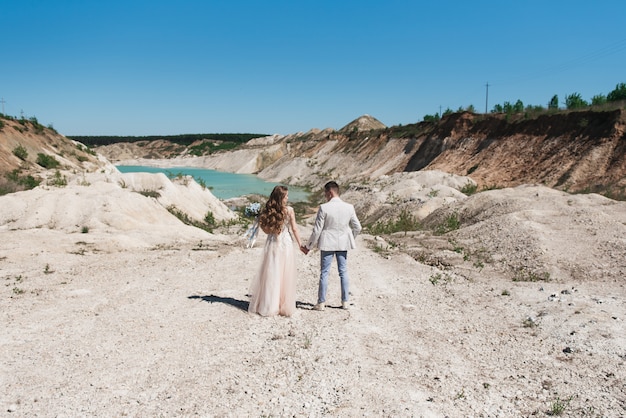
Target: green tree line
[(571, 102), (184, 139)]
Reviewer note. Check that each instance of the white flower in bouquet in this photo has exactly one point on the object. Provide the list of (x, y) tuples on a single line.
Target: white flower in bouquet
[(252, 210)]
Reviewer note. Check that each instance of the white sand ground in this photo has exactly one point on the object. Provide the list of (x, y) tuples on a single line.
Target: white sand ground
[(143, 316)]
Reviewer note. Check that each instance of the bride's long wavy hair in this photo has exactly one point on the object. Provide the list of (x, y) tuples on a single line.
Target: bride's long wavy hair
[(272, 217)]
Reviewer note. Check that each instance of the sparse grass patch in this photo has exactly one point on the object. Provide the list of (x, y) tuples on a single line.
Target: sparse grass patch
[(307, 342), (15, 182), (85, 149), (469, 189), (201, 182), (438, 277), (383, 248), (20, 152), (450, 223), (150, 193), (403, 223), (47, 161), (58, 180), (184, 218), (525, 275), (559, 406)]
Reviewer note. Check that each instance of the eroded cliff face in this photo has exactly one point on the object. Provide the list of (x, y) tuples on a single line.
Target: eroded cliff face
[(25, 146), (574, 151)]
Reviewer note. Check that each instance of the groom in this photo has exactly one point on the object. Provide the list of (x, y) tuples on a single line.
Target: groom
[(336, 227)]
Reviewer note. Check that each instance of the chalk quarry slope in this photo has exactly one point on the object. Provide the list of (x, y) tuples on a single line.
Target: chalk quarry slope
[(113, 306)]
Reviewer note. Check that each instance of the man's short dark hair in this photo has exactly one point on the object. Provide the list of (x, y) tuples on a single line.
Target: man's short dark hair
[(331, 185)]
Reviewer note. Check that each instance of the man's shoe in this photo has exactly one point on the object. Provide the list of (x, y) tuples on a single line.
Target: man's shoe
[(319, 307), (344, 305)]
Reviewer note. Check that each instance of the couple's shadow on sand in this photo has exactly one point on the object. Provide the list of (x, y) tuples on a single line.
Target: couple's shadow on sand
[(240, 304)]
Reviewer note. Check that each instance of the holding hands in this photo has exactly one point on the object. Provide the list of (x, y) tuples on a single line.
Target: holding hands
[(304, 249)]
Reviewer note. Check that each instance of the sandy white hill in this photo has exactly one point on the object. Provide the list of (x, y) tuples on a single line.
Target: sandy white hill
[(145, 316)]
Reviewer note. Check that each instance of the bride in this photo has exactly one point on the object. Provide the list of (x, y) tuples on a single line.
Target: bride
[(273, 290)]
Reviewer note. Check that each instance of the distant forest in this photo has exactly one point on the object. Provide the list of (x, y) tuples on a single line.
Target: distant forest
[(185, 139)]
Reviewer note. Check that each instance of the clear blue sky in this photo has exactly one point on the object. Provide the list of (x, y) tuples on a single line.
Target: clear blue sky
[(135, 67)]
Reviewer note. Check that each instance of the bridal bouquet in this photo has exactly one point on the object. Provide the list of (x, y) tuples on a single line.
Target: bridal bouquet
[(252, 211)]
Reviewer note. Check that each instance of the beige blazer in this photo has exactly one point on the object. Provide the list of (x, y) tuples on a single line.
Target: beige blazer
[(336, 227)]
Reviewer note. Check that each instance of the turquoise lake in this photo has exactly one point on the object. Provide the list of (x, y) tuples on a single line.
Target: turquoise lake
[(222, 185)]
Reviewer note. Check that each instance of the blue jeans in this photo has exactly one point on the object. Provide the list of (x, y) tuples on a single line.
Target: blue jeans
[(342, 265)]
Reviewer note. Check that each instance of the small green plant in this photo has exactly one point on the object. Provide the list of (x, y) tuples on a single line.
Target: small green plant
[(433, 193), (456, 247), (559, 406), (58, 180), (201, 182), (530, 323), (29, 182), (47, 269), (209, 219), (14, 175), (506, 293), (383, 249), (469, 188), (307, 342), (451, 223), (84, 229), (438, 277), (150, 193), (18, 291), (460, 395), (479, 264), (47, 161), (20, 152), (434, 279)]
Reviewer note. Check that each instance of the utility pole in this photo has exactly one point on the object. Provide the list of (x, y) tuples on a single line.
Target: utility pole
[(3, 102), (487, 98)]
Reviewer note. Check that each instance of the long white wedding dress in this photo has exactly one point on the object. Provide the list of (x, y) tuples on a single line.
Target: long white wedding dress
[(273, 290)]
